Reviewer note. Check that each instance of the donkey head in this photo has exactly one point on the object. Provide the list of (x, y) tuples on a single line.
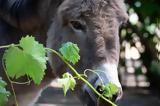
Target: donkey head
[(94, 26)]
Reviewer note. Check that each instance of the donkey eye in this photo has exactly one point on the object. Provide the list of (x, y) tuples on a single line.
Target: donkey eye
[(77, 25)]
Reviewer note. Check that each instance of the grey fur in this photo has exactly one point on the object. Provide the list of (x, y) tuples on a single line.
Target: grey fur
[(51, 19)]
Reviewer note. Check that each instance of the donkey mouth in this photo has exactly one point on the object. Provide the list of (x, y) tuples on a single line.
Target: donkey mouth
[(104, 75), (94, 100), (90, 97)]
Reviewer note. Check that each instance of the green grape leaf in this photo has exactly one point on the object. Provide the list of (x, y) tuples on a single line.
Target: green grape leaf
[(2, 83), (70, 52), (29, 58), (109, 90), (68, 82), (4, 94)]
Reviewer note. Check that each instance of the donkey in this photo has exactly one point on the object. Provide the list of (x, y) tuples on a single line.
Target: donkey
[(92, 24)]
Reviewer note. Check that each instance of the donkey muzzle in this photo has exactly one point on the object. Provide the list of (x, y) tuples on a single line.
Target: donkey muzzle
[(103, 75)]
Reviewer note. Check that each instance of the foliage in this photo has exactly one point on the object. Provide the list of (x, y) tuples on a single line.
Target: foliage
[(146, 28), (143, 31), (155, 68), (70, 52), (109, 90), (29, 59), (68, 82), (155, 74), (4, 94)]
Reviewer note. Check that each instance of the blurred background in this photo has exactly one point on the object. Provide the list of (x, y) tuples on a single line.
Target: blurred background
[(139, 66)]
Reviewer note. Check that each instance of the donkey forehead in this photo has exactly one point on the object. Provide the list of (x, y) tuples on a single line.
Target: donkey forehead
[(77, 8)]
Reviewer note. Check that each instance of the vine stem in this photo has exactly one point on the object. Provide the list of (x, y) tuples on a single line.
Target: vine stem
[(79, 76), (10, 81), (22, 83), (7, 46), (94, 73)]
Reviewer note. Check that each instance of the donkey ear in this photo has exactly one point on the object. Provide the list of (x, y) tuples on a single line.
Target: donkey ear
[(62, 6), (121, 10)]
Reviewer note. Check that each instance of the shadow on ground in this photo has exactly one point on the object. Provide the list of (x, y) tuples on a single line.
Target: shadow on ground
[(139, 97), (132, 97)]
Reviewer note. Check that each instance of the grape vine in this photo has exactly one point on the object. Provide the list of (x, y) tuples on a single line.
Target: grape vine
[(29, 51)]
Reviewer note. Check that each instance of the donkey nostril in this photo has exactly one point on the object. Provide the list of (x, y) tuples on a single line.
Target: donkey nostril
[(114, 98), (99, 89), (117, 96)]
